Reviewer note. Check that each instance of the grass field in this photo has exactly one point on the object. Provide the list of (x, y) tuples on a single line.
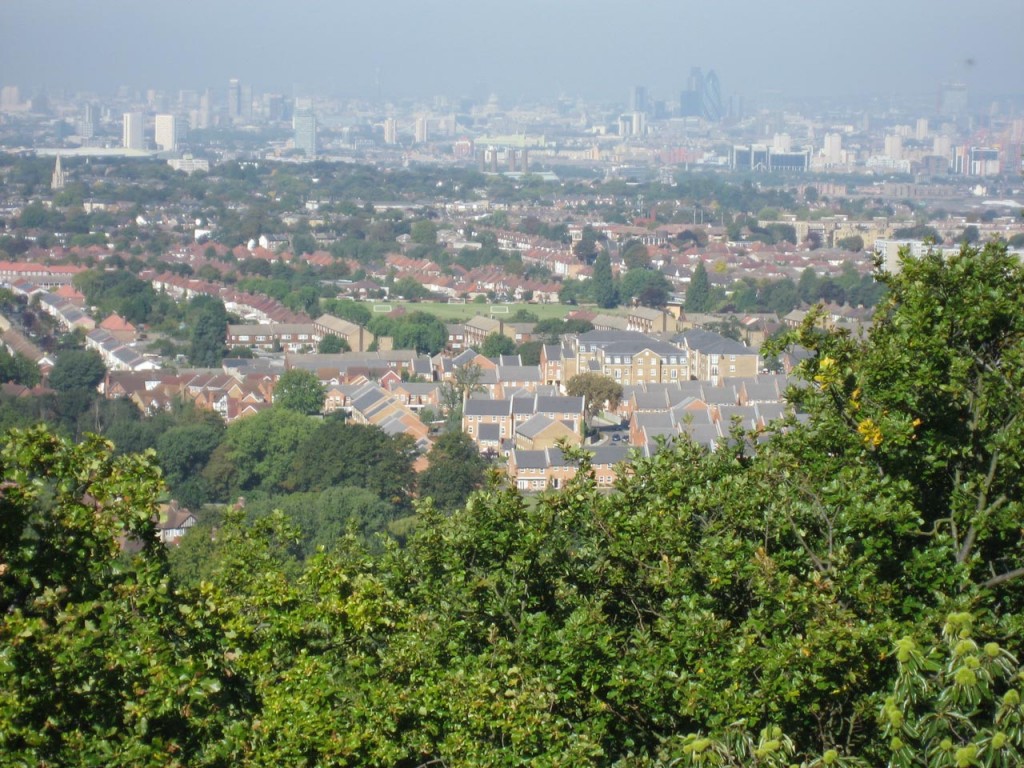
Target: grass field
[(455, 313)]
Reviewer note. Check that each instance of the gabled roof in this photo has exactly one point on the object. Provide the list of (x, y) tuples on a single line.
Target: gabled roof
[(486, 407), (711, 343)]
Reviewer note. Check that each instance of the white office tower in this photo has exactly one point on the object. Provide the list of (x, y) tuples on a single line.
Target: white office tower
[(390, 131), (89, 123), (781, 142), (638, 124), (921, 129), (132, 136), (165, 133), (421, 130), (304, 126), (833, 150), (894, 147)]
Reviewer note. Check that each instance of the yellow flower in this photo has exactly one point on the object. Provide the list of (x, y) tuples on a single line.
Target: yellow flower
[(870, 433)]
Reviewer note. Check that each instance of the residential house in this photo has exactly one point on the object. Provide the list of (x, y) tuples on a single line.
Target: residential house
[(713, 356)]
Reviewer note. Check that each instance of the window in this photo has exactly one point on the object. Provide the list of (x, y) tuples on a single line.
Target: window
[(675, 374)]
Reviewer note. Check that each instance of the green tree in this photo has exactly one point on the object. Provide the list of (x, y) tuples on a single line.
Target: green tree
[(260, 450), (424, 232), (554, 327), (420, 331), (455, 469), (586, 249), (635, 256), (346, 309), (649, 287), (408, 288), (323, 519), (209, 331), (604, 285), (358, 455), (600, 391), (698, 293), (77, 369), (497, 344), (89, 633), (300, 391), (18, 369), (182, 452), (464, 382), (852, 243), (809, 286), (529, 352), (332, 344)]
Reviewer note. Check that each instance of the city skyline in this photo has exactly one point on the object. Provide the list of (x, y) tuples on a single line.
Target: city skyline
[(595, 49)]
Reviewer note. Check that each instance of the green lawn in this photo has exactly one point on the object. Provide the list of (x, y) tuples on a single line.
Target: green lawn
[(454, 313)]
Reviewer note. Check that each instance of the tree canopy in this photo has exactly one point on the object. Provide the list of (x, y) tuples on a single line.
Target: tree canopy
[(841, 589), (599, 390), (300, 391), (698, 293)]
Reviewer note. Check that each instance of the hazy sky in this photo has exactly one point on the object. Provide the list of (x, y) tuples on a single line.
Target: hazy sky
[(595, 48)]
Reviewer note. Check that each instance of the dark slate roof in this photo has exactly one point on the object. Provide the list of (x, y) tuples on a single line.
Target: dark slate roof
[(534, 425), (747, 415), (630, 348), (772, 411), (609, 455), (486, 407), (553, 352), (542, 459), (490, 433), (518, 373), (711, 343), (608, 337), (561, 404), (720, 395)]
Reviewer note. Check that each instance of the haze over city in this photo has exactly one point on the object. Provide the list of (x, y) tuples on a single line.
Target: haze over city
[(534, 49)]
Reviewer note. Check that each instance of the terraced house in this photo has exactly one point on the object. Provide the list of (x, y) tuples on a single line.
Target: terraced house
[(631, 357)]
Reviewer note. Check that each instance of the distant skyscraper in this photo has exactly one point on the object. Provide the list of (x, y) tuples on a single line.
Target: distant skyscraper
[(638, 125), (245, 103), (165, 133), (833, 150), (304, 126), (234, 99), (10, 98), (89, 123), (132, 136), (953, 99), (638, 99), (702, 97), (59, 178), (421, 130), (274, 107), (390, 131), (894, 146), (711, 98)]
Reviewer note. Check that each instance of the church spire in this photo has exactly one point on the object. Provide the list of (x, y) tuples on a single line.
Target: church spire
[(59, 176)]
